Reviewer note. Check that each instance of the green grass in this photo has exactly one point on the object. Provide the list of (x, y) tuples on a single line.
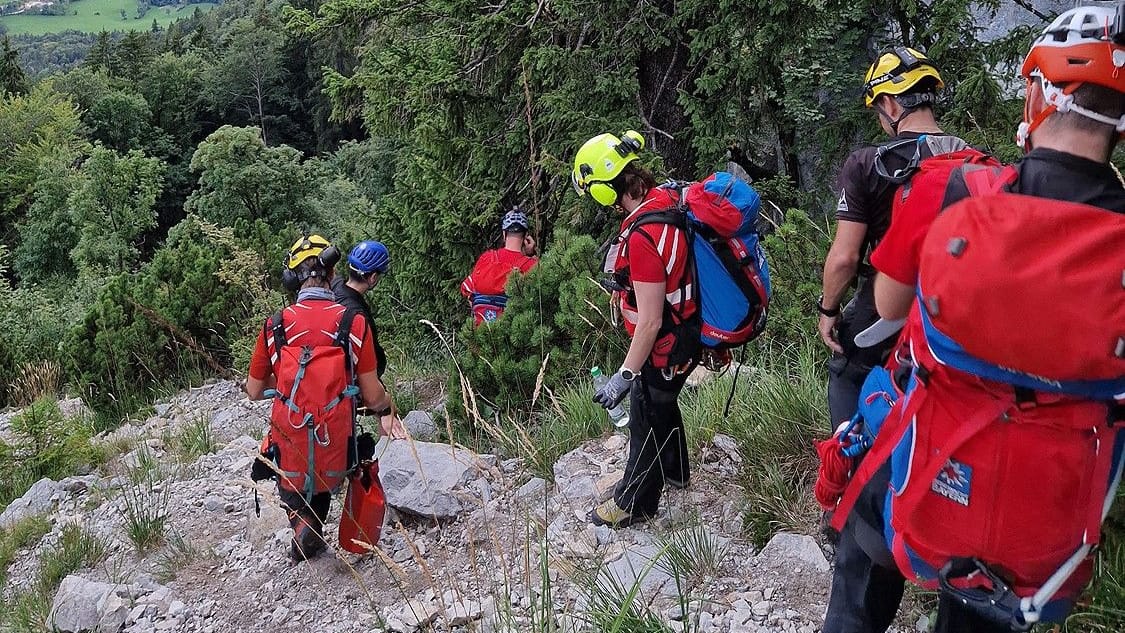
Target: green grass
[(145, 512), (194, 440), (26, 612), (93, 16), (23, 534)]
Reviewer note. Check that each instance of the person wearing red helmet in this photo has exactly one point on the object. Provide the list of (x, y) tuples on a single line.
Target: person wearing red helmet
[(1074, 115)]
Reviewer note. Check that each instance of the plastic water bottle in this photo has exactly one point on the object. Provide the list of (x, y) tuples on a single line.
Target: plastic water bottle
[(618, 415)]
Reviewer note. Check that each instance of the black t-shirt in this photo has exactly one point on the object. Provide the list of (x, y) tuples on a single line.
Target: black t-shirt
[(866, 195), (1047, 173), (354, 301)]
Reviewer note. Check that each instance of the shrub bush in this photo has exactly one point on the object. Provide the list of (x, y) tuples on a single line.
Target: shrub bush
[(45, 444), (556, 313), (164, 325)]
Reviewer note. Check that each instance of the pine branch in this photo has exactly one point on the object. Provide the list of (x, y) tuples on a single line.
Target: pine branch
[(1036, 12), (185, 339)]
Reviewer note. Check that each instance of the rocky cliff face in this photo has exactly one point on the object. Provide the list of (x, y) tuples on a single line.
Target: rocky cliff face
[(471, 543)]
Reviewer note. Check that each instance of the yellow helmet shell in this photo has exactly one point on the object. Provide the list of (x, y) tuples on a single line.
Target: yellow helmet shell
[(305, 248), (897, 72), (600, 160)]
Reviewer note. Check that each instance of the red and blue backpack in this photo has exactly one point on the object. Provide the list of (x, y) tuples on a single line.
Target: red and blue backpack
[(1006, 447), (728, 264)]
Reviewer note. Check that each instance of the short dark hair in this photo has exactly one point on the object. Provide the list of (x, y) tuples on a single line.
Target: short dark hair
[(361, 277), (1094, 97), (634, 180)]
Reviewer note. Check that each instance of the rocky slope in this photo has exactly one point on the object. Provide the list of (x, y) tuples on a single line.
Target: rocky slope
[(473, 543)]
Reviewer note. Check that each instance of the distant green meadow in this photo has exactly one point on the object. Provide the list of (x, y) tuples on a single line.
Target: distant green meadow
[(94, 16)]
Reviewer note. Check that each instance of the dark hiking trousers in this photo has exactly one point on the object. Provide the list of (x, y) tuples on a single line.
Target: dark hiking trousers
[(845, 379), (315, 512), (865, 595), (657, 446)]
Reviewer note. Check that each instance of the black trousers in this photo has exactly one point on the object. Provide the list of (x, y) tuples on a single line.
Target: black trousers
[(657, 446), (315, 512), (845, 379)]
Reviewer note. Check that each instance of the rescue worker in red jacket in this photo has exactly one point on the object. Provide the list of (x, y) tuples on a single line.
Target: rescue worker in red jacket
[(484, 287)]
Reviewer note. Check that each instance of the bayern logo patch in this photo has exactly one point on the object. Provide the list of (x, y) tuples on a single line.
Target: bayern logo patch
[(954, 482)]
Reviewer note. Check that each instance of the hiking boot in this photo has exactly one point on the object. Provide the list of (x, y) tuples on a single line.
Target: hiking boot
[(609, 513), (307, 540), (678, 484)]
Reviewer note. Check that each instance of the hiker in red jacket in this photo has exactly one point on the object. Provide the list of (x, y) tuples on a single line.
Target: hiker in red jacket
[(315, 322), (484, 287), (657, 304), (1074, 117)]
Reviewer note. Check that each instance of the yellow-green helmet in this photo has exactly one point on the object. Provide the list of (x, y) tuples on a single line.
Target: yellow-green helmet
[(899, 72), (600, 160)]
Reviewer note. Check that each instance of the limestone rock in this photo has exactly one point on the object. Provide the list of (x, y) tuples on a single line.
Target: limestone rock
[(39, 499), (789, 550), (421, 425), (426, 479), (84, 605)]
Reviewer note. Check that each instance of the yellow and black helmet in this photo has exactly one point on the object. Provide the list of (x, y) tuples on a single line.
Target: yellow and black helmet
[(305, 247), (901, 71)]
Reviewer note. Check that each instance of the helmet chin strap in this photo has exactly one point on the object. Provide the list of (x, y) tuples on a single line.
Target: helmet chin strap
[(894, 123)]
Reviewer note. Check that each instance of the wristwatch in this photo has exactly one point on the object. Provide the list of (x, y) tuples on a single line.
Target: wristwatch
[(385, 412), (834, 312), (628, 374)]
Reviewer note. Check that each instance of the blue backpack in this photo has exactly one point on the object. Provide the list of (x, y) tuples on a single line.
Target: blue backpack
[(730, 273)]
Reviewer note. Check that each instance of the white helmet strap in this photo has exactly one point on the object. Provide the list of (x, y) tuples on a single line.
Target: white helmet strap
[(1064, 102)]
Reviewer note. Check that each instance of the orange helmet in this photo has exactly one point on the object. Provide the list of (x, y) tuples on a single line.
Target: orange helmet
[(1083, 45)]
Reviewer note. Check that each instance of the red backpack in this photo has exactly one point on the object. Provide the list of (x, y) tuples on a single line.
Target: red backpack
[(1007, 449), (313, 417)]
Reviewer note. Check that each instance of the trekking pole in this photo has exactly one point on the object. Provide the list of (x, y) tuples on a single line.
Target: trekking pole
[(734, 382)]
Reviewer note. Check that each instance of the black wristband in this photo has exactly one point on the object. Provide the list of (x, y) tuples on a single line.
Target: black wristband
[(385, 412), (834, 312)]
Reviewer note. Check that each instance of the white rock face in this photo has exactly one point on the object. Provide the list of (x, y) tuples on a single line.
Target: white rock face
[(39, 499), (427, 479), (793, 550)]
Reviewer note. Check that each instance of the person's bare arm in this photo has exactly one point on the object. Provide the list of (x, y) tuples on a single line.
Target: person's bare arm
[(840, 268), (650, 315), (892, 298), (376, 398), (256, 387)]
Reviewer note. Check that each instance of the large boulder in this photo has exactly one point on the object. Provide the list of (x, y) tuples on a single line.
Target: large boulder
[(793, 551), (427, 479), (82, 605), (40, 498), (421, 425)]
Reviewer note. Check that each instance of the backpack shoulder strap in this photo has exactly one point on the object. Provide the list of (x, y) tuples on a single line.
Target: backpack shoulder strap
[(344, 338), (981, 180), (276, 326)]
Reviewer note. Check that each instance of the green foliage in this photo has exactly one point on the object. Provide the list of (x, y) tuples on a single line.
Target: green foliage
[(249, 75), (32, 126), (76, 549), (112, 205), (557, 315), (161, 325), (47, 233), (23, 533), (45, 444), (195, 440), (145, 509), (121, 121), (795, 253), (13, 80), (242, 180)]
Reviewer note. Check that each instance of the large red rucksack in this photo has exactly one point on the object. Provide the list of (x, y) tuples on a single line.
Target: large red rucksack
[(1007, 448), (313, 416)]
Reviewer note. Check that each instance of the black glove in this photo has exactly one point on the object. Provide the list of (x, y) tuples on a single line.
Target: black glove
[(613, 392)]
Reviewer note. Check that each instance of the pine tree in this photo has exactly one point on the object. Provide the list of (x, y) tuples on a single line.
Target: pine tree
[(13, 80)]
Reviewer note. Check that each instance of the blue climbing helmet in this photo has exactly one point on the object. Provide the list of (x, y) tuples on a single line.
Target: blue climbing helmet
[(515, 220), (369, 257)]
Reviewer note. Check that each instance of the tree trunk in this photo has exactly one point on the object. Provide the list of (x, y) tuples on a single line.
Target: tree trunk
[(662, 73)]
